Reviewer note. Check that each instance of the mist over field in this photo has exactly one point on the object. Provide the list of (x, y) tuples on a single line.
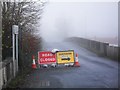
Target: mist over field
[(93, 20)]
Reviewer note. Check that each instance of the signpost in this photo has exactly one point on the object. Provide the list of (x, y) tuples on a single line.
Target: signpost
[(64, 57), (15, 46), (46, 57)]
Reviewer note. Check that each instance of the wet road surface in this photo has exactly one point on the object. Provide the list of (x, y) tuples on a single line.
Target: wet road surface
[(94, 72)]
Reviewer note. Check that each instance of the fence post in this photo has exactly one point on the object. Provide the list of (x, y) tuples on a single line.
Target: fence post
[(1, 76)]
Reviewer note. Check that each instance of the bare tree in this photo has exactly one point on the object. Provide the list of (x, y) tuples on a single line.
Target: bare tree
[(26, 15)]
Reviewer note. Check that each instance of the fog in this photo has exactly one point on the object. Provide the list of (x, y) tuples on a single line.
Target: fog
[(79, 19)]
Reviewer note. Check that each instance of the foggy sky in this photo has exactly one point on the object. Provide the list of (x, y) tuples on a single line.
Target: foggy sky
[(81, 19)]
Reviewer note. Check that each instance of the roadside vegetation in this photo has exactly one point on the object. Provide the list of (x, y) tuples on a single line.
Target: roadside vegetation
[(26, 15)]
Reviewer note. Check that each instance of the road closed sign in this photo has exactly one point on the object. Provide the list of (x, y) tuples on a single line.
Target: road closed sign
[(46, 57), (64, 57)]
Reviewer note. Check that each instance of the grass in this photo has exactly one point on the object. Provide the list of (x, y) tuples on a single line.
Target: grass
[(19, 79)]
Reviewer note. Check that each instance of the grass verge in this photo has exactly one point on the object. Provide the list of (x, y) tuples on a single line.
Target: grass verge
[(19, 79)]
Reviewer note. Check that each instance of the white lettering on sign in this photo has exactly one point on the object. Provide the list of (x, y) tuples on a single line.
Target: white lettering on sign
[(45, 55), (47, 59), (42, 55)]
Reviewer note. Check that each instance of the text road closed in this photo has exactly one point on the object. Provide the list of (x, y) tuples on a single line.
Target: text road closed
[(46, 57)]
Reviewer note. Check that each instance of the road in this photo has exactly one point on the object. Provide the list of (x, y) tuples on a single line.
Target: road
[(94, 72)]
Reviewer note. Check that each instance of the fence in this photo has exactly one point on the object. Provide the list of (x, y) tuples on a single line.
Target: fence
[(100, 48), (7, 71)]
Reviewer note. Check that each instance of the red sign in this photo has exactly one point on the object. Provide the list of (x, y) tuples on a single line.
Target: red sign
[(46, 57)]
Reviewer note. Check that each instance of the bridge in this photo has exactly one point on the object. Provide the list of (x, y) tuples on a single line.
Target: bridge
[(98, 67)]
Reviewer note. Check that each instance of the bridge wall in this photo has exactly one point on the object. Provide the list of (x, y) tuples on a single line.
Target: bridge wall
[(7, 71), (103, 49)]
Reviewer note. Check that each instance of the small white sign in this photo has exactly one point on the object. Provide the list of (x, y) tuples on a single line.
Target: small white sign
[(15, 29)]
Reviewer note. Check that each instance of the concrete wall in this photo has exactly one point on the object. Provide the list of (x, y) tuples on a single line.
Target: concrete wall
[(1, 79), (112, 52), (7, 71), (103, 49)]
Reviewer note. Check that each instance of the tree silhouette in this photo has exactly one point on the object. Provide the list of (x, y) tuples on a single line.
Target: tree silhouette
[(26, 15)]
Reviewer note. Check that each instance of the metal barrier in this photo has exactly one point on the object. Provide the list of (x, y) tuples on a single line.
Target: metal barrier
[(101, 48), (7, 71)]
